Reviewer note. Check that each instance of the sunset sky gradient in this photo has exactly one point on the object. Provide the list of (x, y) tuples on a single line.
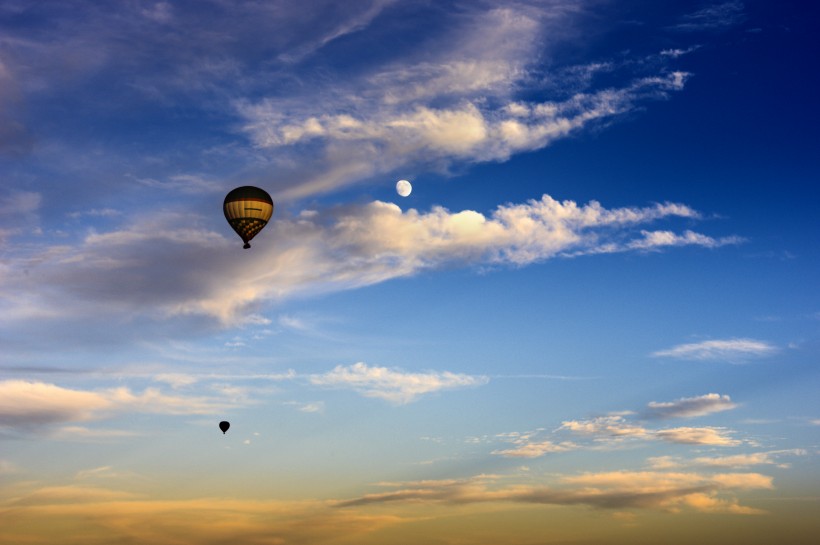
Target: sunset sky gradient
[(594, 320)]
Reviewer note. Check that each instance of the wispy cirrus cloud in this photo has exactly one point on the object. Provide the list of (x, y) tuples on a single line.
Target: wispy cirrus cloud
[(19, 211), (689, 406), (458, 95), (731, 350), (716, 16), (393, 385), (468, 131)]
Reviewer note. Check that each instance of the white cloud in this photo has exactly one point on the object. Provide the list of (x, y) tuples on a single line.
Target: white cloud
[(697, 436), (312, 407), (396, 386), (393, 136), (167, 260), (713, 17), (676, 52), (689, 406), (26, 404), (731, 350), (608, 426), (82, 433), (535, 449), (184, 183), (37, 403), (660, 239), (315, 407), (615, 428), (18, 210), (176, 380), (737, 461), (96, 213)]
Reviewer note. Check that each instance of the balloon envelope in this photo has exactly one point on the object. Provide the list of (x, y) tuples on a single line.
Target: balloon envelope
[(247, 210), (224, 426)]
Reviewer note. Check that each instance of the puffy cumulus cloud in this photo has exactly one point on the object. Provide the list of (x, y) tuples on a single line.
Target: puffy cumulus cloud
[(101, 516), (170, 264), (393, 385), (28, 404), (650, 490), (689, 406), (730, 350)]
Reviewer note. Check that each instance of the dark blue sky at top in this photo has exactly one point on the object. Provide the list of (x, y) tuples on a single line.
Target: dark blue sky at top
[(739, 142)]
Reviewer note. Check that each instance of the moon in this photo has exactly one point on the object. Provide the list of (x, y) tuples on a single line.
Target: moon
[(403, 188)]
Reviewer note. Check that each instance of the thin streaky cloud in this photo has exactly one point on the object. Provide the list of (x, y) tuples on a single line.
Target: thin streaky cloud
[(717, 16), (731, 350), (396, 386), (466, 132), (698, 436), (7, 468), (535, 449), (736, 461), (28, 404), (546, 377), (689, 406), (647, 490), (615, 429)]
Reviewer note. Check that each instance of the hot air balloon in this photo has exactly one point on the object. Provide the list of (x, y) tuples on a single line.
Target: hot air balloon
[(248, 210), (224, 426)]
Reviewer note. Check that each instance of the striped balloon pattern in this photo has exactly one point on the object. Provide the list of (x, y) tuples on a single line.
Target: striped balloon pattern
[(247, 210)]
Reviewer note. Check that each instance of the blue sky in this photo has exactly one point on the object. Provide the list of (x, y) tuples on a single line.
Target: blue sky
[(594, 317)]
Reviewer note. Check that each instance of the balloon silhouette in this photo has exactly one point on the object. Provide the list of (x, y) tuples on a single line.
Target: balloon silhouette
[(247, 210), (224, 426)]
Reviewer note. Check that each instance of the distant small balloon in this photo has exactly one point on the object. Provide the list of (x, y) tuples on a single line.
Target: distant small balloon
[(403, 188), (224, 426)]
